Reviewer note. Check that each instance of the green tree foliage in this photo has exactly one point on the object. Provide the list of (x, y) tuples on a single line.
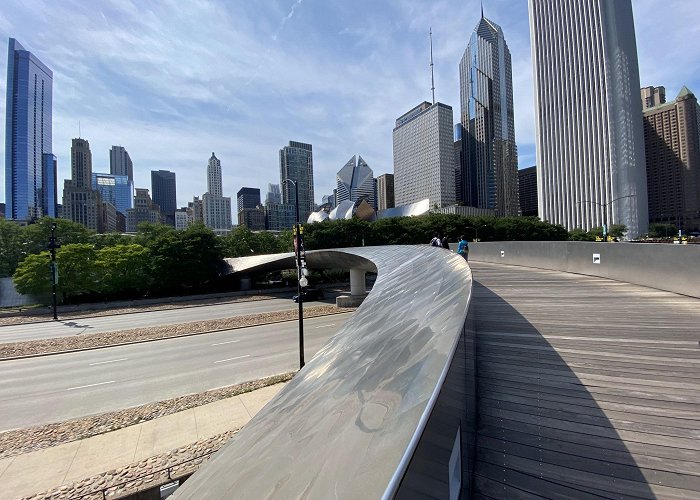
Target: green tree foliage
[(11, 247), (660, 230), (111, 239), (242, 242), (77, 272), (33, 275), (579, 234), (123, 270), (36, 236)]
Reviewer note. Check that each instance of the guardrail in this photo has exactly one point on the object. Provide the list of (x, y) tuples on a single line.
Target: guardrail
[(386, 409), (674, 268)]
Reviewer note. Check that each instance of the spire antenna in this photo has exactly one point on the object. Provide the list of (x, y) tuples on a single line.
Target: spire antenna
[(432, 74), (482, 9)]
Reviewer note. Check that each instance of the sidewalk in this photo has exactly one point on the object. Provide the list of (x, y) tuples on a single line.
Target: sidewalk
[(35, 472)]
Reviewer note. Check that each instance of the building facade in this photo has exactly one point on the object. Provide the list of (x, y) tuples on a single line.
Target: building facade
[(590, 138), (297, 164), (385, 191), (489, 173), (423, 148), (248, 198), (274, 195), (672, 141), (279, 216), (30, 167), (144, 211), (81, 203), (653, 96), (216, 209), (120, 162), (114, 189), (527, 191), (164, 189), (355, 181), (182, 219)]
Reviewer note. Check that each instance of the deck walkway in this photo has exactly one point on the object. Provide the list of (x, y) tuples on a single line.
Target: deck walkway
[(587, 387)]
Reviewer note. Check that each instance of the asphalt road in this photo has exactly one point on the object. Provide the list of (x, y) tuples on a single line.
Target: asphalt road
[(54, 388), (100, 324)]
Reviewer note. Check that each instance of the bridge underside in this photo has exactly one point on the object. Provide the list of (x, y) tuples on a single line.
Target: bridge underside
[(587, 387)]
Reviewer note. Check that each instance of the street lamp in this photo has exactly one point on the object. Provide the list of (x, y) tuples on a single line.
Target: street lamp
[(54, 270), (605, 212), (301, 277), (476, 232)]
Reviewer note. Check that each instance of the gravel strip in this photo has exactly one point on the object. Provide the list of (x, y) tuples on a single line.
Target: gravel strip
[(44, 436), (33, 316), (107, 339), (140, 475)]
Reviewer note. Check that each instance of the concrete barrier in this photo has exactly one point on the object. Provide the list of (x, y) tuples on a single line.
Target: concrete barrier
[(674, 268)]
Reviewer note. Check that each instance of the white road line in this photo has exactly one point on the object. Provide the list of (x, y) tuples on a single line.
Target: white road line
[(90, 385), (325, 326), (105, 362), (229, 342), (231, 359)]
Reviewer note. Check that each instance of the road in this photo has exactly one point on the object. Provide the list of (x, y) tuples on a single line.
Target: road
[(54, 388), (101, 324)]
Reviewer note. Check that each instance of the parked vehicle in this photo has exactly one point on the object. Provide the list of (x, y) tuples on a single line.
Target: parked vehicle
[(309, 294)]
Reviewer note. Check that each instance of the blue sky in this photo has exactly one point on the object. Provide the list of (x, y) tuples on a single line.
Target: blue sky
[(174, 80)]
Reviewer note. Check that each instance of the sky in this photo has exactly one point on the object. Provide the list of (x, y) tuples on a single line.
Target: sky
[(175, 80)]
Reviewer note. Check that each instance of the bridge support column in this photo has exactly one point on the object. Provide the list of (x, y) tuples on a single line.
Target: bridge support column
[(357, 282), (358, 290)]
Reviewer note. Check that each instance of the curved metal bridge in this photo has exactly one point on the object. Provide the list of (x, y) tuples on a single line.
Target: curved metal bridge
[(512, 382)]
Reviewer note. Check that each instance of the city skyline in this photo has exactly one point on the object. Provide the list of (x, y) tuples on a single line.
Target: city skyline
[(357, 75)]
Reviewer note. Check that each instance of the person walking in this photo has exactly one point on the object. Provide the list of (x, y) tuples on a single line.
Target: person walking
[(445, 242), (435, 242), (463, 247)]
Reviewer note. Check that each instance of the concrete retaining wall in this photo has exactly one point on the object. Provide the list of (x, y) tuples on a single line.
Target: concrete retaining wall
[(674, 268)]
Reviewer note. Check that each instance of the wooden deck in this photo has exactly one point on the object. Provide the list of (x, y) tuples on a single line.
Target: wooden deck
[(587, 387)]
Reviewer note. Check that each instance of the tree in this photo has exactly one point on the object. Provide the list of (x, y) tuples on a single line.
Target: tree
[(36, 236), (579, 234), (77, 271), (661, 230), (11, 247), (123, 270), (33, 275)]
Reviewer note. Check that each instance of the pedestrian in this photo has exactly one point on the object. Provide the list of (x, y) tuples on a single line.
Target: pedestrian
[(445, 242), (435, 242), (463, 247)]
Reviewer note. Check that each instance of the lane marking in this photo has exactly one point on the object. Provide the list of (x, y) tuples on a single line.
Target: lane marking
[(231, 359), (90, 385), (105, 362), (229, 342), (325, 326)]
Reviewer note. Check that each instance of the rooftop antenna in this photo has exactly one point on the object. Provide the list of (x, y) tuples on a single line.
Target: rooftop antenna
[(79, 134), (432, 75), (482, 9)]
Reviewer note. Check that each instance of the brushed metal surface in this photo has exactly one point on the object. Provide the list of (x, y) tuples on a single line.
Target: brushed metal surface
[(347, 424)]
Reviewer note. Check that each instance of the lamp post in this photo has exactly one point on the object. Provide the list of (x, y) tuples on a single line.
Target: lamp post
[(301, 279), (54, 271), (476, 232), (605, 212)]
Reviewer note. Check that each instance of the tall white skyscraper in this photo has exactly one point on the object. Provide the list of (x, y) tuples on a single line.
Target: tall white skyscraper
[(590, 139), (214, 184), (489, 174), (216, 209), (424, 156), (355, 180), (297, 164)]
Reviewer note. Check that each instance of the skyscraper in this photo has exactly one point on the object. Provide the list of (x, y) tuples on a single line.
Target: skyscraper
[(355, 180), (81, 203), (424, 156), (30, 175), (274, 195), (527, 190), (250, 213), (590, 142), (653, 96), (385, 191), (490, 161), (164, 191), (672, 142), (114, 189), (297, 164), (120, 162), (216, 209)]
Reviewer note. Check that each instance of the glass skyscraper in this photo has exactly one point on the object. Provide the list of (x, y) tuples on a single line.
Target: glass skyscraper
[(114, 189), (163, 187), (490, 158), (30, 168)]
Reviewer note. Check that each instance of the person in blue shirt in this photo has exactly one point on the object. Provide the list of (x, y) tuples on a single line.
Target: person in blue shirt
[(463, 247)]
